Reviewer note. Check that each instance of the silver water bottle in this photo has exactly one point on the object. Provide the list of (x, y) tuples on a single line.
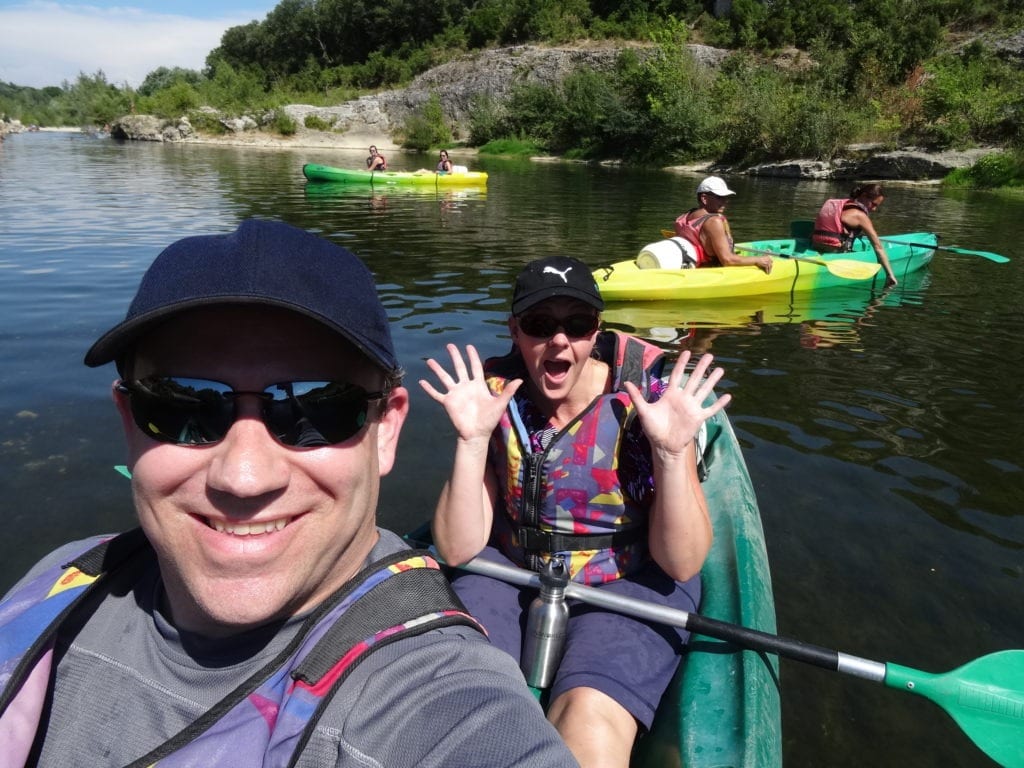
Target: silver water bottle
[(546, 626)]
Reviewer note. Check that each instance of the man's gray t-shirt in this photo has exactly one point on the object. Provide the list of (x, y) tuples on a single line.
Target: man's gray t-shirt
[(128, 681)]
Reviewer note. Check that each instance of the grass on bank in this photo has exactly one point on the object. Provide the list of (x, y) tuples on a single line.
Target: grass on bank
[(1000, 169)]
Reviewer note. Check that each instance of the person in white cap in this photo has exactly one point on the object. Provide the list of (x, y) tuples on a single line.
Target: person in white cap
[(708, 230)]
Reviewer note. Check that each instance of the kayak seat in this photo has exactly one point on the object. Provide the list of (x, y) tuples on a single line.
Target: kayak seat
[(801, 229)]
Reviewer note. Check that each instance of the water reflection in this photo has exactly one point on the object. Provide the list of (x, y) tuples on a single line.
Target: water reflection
[(827, 318), (380, 199)]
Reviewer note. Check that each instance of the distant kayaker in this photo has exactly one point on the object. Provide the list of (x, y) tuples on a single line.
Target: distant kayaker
[(444, 165), (258, 617), (708, 230), (573, 447), (376, 161), (842, 220)]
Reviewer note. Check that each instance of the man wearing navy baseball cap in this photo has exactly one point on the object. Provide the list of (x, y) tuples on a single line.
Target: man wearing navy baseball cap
[(258, 616)]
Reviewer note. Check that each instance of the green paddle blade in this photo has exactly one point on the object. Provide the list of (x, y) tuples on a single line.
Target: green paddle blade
[(996, 257), (985, 697)]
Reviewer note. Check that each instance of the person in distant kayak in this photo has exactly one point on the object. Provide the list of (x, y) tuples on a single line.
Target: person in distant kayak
[(572, 448), (376, 161), (708, 230), (444, 165), (842, 220), (257, 616)]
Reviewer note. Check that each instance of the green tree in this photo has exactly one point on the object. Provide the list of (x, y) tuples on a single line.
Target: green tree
[(166, 77), (91, 100), (426, 128)]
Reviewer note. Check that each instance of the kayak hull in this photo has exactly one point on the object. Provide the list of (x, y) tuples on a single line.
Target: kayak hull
[(625, 281), (723, 707), (326, 173)]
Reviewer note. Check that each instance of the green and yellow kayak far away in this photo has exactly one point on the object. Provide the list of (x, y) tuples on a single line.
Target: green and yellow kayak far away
[(422, 177), (654, 276)]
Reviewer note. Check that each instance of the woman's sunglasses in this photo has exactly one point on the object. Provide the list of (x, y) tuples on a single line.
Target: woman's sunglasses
[(301, 414), (541, 326)]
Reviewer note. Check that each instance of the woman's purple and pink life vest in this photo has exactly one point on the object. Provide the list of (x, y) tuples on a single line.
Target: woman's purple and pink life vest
[(829, 230), (267, 719), (690, 230), (569, 498)]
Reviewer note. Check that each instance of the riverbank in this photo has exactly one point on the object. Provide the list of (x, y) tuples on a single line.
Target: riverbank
[(861, 162)]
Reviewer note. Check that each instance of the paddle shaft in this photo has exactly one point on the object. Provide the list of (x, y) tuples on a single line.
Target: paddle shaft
[(748, 249), (997, 258), (847, 269), (985, 696), (753, 639), (821, 262)]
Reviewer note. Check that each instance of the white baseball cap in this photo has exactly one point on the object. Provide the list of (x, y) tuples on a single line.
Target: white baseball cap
[(715, 186)]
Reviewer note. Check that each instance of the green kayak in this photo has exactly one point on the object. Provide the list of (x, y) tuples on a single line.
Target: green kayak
[(723, 708), (422, 177)]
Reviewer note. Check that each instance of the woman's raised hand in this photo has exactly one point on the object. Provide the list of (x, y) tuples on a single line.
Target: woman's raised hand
[(672, 421), (474, 411)]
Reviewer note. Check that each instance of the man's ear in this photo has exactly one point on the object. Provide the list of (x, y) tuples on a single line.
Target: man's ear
[(132, 434), (124, 408), (389, 428)]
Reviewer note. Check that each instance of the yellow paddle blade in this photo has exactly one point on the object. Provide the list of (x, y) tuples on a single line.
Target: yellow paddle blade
[(851, 269)]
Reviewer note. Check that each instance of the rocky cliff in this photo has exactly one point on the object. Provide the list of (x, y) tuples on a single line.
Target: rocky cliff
[(494, 73)]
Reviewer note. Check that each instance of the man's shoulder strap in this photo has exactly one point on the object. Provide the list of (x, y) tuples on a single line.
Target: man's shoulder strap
[(110, 553), (402, 595), (413, 599), (415, 594)]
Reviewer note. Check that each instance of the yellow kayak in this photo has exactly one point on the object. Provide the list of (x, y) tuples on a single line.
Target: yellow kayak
[(796, 267)]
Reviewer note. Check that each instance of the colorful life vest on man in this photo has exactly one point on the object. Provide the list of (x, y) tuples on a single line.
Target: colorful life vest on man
[(268, 719), (569, 498), (829, 229), (690, 230)]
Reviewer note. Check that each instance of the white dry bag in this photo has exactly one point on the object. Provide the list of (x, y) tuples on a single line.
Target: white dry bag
[(670, 253)]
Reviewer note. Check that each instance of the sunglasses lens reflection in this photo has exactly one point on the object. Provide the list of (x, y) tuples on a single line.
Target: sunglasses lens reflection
[(302, 414)]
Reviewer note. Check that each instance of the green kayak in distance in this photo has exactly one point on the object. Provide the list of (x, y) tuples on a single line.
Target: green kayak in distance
[(320, 173), (723, 707)]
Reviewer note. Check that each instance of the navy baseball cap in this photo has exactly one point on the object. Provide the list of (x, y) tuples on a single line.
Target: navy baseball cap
[(555, 276), (262, 263)]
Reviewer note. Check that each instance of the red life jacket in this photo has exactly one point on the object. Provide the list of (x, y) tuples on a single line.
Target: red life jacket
[(829, 229), (690, 230)]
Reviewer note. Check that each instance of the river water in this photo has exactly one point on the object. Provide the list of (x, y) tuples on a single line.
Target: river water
[(882, 429)]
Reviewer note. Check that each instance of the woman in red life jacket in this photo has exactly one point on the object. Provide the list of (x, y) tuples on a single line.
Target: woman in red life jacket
[(376, 161), (707, 228), (842, 220)]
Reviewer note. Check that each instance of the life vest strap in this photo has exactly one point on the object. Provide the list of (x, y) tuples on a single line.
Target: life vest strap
[(536, 540)]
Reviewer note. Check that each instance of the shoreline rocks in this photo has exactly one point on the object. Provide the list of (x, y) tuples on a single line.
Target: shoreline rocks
[(909, 164)]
